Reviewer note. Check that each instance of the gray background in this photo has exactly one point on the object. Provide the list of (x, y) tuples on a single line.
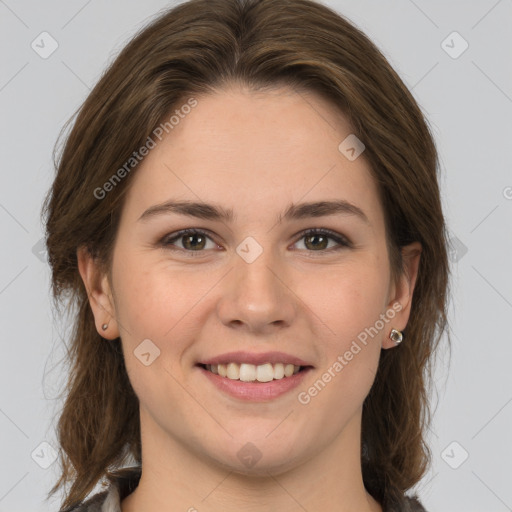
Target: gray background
[(468, 101)]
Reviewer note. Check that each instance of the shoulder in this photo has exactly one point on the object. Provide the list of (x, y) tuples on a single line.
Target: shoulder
[(415, 505), (122, 483), (409, 504), (93, 504)]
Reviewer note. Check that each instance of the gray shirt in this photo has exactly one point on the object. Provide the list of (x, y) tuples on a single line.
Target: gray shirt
[(124, 482)]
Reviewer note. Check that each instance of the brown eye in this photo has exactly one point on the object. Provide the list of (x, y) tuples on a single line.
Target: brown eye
[(194, 242), (188, 240), (317, 240)]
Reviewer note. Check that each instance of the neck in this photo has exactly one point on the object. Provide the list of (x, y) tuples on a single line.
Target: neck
[(174, 477)]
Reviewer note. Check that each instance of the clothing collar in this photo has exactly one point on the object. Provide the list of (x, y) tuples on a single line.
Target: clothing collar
[(122, 483)]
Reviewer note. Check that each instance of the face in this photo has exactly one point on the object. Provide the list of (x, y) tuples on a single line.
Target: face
[(252, 287)]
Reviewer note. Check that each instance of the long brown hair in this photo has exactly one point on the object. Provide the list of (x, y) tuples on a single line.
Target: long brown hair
[(195, 48)]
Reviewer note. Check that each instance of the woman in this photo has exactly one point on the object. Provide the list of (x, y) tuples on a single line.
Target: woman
[(246, 216)]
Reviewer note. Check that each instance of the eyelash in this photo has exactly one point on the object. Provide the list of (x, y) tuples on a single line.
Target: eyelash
[(168, 240)]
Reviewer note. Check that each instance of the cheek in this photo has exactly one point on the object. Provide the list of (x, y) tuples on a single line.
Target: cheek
[(154, 303), (153, 299), (349, 309), (347, 300)]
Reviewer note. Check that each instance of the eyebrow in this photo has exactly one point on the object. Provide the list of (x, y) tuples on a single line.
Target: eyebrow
[(293, 212)]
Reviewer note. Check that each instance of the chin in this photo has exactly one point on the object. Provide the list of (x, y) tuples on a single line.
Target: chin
[(257, 457)]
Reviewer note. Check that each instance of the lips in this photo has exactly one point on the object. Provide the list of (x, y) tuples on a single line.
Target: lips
[(255, 391), (257, 377)]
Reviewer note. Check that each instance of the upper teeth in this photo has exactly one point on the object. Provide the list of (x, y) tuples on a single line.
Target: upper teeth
[(250, 372)]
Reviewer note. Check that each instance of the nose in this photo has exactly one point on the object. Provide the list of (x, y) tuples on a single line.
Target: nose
[(256, 296)]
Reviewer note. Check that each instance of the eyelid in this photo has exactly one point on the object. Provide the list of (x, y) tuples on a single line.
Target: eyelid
[(166, 240), (342, 240)]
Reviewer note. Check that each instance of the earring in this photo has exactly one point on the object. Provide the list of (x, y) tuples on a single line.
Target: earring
[(104, 327), (396, 336)]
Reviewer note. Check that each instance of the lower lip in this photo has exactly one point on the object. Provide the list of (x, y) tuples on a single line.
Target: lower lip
[(255, 391)]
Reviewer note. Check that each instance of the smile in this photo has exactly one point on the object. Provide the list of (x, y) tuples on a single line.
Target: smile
[(273, 384), (253, 373)]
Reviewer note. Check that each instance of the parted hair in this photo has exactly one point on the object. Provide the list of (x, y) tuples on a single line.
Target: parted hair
[(198, 47)]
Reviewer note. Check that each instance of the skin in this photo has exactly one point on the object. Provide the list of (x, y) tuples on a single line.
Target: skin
[(253, 152)]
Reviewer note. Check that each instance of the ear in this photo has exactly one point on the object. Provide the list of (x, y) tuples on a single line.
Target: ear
[(400, 297), (99, 293)]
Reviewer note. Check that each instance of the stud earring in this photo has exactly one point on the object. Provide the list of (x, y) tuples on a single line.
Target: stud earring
[(104, 327), (396, 336)]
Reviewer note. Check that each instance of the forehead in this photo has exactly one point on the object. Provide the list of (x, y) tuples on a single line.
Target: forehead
[(247, 150)]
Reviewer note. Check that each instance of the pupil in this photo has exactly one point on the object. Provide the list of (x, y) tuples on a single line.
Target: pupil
[(188, 238), (322, 245)]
